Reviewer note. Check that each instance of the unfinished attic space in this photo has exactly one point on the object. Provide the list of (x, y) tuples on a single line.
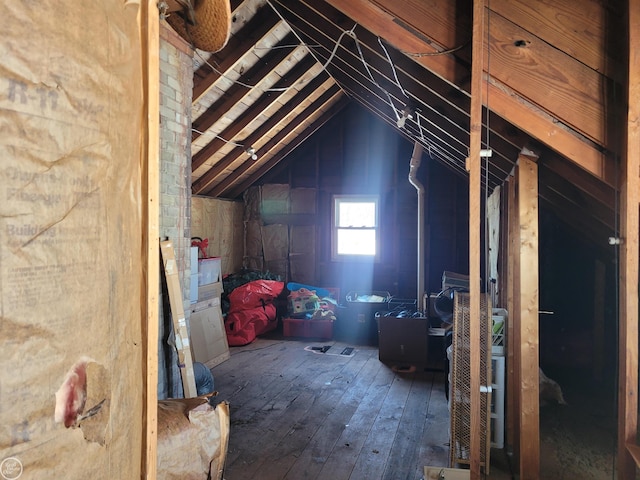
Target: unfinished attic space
[(320, 239)]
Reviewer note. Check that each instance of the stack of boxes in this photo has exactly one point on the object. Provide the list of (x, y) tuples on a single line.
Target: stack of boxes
[(208, 337)]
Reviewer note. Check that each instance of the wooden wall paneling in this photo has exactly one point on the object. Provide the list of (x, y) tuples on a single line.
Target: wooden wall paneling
[(474, 163), (628, 276), (527, 294), (541, 126), (582, 32), (150, 164), (574, 94)]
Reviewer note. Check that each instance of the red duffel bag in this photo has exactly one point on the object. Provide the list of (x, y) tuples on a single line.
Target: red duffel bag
[(243, 326), (251, 311), (254, 294)]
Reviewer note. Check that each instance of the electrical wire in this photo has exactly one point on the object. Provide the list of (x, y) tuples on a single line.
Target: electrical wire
[(248, 150), (419, 126), (231, 142), (276, 47), (435, 54), (335, 48), (366, 67), (393, 68)]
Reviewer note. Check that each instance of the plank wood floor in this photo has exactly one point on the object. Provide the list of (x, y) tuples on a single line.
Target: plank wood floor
[(297, 414)]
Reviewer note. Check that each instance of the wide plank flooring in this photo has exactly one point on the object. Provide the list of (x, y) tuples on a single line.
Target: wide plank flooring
[(297, 414)]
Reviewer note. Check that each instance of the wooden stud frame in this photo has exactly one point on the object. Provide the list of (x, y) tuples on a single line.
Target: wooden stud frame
[(512, 394), (526, 317), (628, 276), (473, 166), (150, 163)]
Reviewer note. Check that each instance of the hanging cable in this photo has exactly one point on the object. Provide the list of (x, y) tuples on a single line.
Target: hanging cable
[(302, 42), (250, 151), (393, 67), (420, 128), (435, 54), (366, 67)]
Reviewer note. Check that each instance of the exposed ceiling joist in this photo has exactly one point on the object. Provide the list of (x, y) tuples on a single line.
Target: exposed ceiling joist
[(290, 65)]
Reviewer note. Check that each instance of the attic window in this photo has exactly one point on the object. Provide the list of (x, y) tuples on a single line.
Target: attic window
[(355, 234)]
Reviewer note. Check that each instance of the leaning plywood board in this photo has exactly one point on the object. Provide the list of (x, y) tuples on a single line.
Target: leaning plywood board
[(179, 320), (208, 337), (71, 248)]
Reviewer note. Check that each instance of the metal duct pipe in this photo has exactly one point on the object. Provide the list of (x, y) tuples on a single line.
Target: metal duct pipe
[(416, 157)]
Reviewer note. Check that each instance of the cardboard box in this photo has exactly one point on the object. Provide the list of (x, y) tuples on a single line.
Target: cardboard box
[(208, 337), (210, 291), (209, 270), (300, 327)]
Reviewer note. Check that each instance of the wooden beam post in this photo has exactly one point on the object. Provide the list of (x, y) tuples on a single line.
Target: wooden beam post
[(526, 305), (513, 336), (628, 281), (150, 165), (473, 166)]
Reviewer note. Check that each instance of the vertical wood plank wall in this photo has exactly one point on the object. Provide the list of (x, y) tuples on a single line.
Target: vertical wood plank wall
[(150, 39), (628, 281)]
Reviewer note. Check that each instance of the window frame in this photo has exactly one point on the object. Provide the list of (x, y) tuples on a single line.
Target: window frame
[(360, 198)]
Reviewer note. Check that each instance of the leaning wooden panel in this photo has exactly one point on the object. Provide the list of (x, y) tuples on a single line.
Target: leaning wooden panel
[(182, 340), (71, 247), (628, 278)]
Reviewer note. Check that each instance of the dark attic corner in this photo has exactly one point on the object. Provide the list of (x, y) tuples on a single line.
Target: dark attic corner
[(320, 239)]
